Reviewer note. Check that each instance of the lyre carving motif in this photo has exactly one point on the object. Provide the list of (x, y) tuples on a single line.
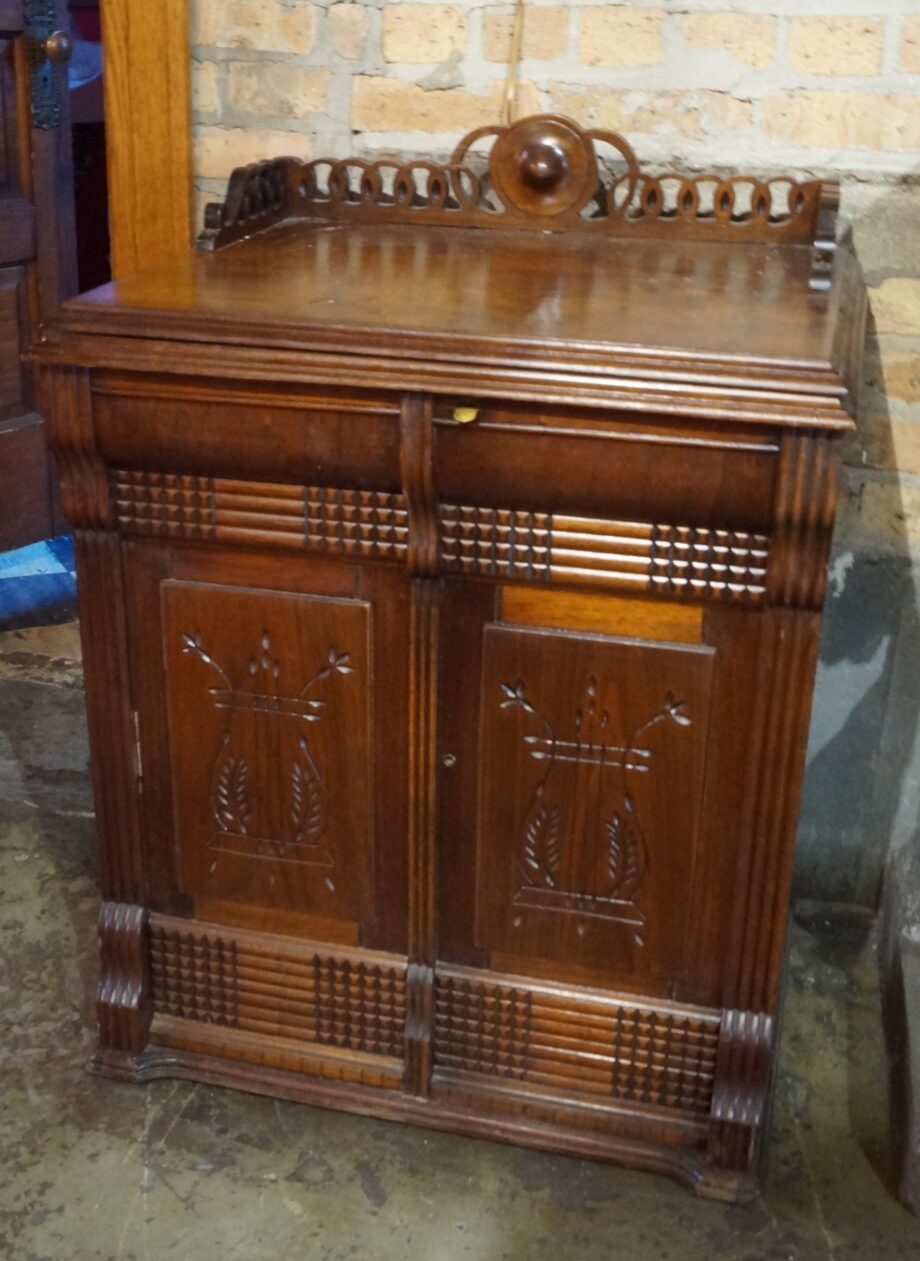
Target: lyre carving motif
[(250, 817), (591, 861)]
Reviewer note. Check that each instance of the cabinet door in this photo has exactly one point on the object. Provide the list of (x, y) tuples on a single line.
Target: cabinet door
[(590, 758), (263, 717)]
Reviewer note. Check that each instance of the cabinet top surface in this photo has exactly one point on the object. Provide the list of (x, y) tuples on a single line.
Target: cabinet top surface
[(559, 259), (393, 288)]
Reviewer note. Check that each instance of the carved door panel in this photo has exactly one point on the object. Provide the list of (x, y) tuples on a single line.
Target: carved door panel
[(37, 256), (266, 693), (287, 800), (593, 753), (582, 832)]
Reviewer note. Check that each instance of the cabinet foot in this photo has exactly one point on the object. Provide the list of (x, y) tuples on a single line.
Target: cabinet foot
[(124, 1004)]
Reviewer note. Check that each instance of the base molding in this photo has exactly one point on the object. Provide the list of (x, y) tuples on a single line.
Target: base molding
[(645, 1082), (686, 1166)]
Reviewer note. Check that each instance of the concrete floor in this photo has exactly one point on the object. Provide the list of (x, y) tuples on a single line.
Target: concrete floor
[(91, 1169)]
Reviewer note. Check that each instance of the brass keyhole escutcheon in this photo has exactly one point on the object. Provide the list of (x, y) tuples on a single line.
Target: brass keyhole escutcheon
[(50, 50), (465, 415)]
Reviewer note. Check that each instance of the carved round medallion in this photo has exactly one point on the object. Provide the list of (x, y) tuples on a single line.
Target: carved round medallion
[(543, 166)]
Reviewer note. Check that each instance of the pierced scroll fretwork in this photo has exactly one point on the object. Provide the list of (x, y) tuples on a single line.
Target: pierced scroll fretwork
[(541, 172)]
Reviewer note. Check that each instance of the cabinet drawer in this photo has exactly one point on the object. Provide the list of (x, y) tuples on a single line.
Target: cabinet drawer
[(260, 433), (590, 465)]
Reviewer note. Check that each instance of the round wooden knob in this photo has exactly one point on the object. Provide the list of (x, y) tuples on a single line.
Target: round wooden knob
[(58, 47), (543, 165)]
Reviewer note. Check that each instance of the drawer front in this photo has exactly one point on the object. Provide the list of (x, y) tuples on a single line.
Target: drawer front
[(573, 498), (589, 464), (258, 434)]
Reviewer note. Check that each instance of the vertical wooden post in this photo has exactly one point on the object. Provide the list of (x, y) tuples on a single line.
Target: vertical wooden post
[(148, 129), (123, 999), (416, 460)]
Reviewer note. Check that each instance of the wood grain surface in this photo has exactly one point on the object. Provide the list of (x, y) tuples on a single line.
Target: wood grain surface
[(148, 130), (451, 604)]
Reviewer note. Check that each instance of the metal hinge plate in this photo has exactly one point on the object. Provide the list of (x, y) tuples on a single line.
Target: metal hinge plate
[(138, 752)]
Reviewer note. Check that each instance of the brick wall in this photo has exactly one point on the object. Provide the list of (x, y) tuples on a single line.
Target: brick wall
[(814, 86)]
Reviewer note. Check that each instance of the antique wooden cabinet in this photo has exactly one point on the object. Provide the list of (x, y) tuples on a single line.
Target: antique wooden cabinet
[(452, 544)]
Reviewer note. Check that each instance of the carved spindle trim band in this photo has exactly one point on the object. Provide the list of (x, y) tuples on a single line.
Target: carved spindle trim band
[(354, 523), (517, 1032), (694, 562), (354, 1001)]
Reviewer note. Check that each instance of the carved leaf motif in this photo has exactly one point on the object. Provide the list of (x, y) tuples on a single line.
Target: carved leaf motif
[(553, 842), (676, 710), (627, 856), (542, 843), (533, 837), (308, 814), (514, 695), (233, 805)]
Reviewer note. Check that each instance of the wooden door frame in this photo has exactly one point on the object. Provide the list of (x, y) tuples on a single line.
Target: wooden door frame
[(148, 119)]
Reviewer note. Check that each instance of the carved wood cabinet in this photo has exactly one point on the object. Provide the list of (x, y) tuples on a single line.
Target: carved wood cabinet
[(452, 544)]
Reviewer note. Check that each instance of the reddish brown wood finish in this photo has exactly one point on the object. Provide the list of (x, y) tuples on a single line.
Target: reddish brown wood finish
[(543, 172), (449, 653)]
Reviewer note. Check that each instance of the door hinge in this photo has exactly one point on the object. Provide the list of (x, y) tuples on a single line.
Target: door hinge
[(138, 754)]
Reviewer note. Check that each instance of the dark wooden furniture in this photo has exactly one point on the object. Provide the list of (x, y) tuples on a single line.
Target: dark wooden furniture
[(37, 250), (452, 553)]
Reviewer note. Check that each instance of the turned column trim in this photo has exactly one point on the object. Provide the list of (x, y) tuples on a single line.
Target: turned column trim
[(417, 468)]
